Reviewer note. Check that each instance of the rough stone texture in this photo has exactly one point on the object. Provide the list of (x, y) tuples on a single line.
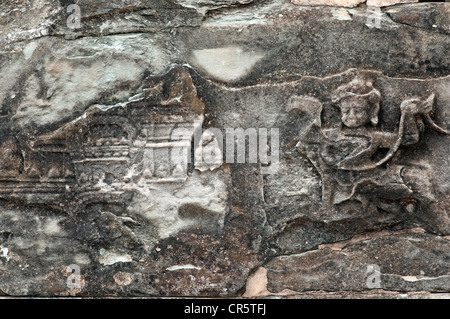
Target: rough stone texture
[(351, 3), (385, 3), (424, 15), (334, 3), (97, 123), (408, 261)]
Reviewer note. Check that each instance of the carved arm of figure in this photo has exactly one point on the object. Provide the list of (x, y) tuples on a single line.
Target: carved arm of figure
[(362, 160), (423, 108), (412, 111)]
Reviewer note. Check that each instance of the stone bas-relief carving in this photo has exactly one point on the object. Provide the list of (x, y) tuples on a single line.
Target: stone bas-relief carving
[(358, 161), (343, 173), (101, 174), (119, 184), (112, 154), (122, 173)]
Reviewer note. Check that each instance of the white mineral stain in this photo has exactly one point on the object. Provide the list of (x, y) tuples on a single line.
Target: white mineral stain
[(410, 278), (52, 227), (180, 267), (341, 14), (29, 49), (4, 253), (73, 84), (110, 258), (159, 204), (226, 64), (82, 259), (423, 278)]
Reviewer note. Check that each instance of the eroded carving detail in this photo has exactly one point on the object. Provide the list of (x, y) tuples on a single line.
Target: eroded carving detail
[(358, 159), (130, 160)]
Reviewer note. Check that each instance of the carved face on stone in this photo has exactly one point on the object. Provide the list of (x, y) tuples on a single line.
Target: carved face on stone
[(356, 112), (359, 103)]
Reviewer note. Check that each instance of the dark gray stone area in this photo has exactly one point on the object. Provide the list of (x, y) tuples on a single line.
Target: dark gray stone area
[(116, 176)]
